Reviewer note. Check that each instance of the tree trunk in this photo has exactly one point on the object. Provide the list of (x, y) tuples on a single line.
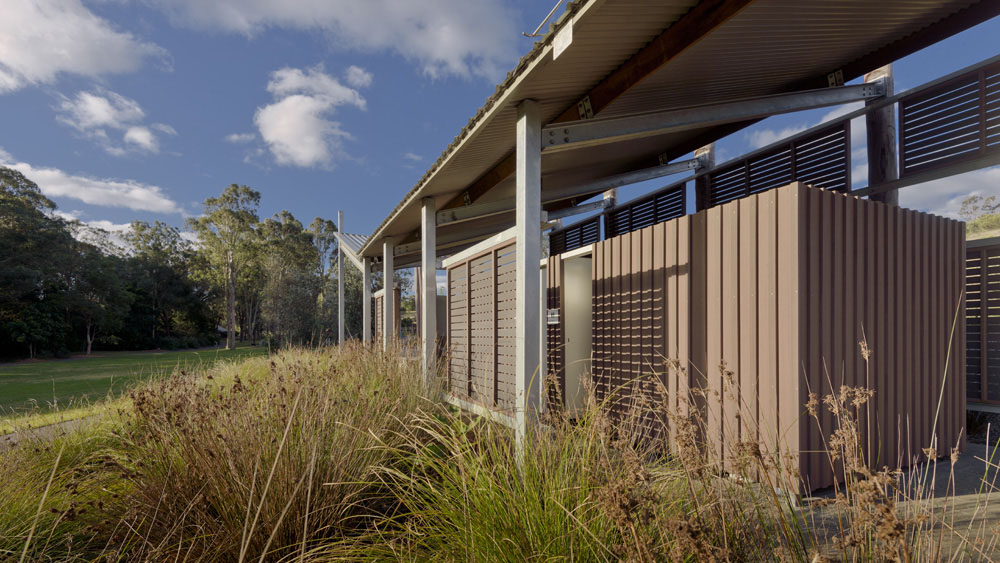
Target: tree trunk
[(231, 304), (90, 338)]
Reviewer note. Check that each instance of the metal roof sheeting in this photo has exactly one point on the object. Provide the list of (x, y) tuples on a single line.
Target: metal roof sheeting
[(770, 46)]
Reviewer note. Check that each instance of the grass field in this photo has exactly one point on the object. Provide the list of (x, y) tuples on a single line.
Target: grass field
[(61, 384)]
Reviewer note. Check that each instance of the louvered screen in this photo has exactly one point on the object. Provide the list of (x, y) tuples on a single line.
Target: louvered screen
[(574, 236), (990, 301), (957, 120), (822, 159), (657, 207), (973, 324)]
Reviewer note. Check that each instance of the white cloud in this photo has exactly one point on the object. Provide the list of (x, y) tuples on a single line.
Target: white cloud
[(143, 138), (238, 138), (42, 39), (945, 196), (764, 137), (130, 194), (313, 82), (358, 77), (96, 113), (444, 37), (297, 127), (412, 157)]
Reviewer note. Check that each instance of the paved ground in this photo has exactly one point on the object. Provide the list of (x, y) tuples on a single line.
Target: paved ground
[(965, 505)]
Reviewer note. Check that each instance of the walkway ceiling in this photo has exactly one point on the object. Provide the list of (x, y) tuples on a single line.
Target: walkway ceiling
[(632, 56)]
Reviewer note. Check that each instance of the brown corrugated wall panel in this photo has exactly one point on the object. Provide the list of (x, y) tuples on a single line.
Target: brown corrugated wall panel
[(747, 299), (713, 331), (781, 287), (790, 292), (767, 319)]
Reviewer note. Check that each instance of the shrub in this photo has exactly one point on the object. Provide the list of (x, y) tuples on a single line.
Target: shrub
[(264, 456)]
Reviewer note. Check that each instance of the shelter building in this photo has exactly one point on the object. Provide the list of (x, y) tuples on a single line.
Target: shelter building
[(755, 278)]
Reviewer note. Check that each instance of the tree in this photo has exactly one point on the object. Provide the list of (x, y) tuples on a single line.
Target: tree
[(325, 240), (982, 215), (98, 296), (290, 259), (37, 245), (159, 250), (227, 231)]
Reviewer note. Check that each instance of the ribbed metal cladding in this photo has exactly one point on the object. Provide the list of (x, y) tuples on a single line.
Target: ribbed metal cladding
[(574, 236), (764, 300), (822, 160), (481, 345), (957, 120)]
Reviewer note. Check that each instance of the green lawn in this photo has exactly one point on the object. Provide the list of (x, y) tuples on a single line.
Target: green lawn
[(33, 386)]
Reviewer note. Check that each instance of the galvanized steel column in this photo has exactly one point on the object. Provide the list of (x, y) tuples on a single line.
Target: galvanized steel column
[(428, 301), (340, 278), (528, 179), (388, 323), (366, 299)]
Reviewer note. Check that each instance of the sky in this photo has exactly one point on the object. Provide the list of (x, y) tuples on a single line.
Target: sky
[(125, 110)]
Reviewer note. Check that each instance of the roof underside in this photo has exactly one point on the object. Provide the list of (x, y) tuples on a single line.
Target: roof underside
[(767, 47)]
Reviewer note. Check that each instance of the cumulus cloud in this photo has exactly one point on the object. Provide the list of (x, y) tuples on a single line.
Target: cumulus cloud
[(443, 37), (130, 194), (945, 196), (238, 138), (100, 113), (42, 39), (358, 77), (297, 127)]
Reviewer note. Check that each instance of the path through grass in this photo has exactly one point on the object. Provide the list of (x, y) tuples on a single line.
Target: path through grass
[(61, 384)]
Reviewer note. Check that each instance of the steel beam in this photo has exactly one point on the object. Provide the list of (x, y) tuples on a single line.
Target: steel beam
[(570, 211), (471, 212), (606, 130), (428, 300), (340, 280), (366, 300), (527, 315)]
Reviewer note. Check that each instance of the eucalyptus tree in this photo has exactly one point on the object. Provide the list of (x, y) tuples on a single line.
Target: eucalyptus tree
[(227, 232)]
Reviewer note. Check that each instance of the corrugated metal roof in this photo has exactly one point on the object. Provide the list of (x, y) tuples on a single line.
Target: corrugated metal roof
[(353, 242), (771, 46)]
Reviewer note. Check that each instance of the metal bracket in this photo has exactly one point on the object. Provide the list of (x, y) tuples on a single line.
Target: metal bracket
[(835, 78), (586, 110)]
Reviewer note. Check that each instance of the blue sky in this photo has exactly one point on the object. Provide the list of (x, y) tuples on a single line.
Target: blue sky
[(140, 109)]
